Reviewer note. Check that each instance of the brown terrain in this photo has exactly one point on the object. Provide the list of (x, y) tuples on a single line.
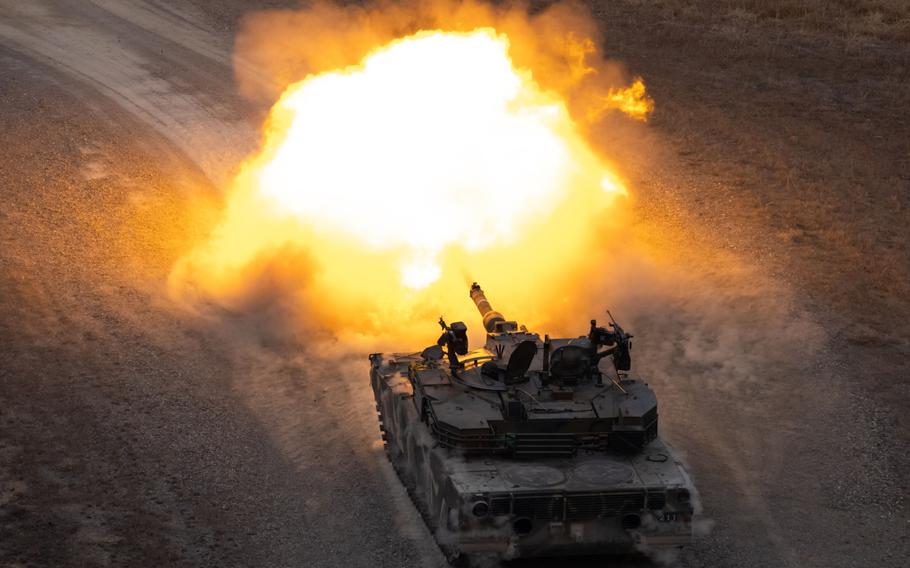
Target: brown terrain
[(134, 433)]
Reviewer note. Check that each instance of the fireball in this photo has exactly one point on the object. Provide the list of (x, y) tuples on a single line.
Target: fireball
[(434, 140), (433, 161)]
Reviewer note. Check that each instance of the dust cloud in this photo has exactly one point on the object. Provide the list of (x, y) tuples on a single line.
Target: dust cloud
[(704, 319), (707, 323), (559, 44), (544, 273)]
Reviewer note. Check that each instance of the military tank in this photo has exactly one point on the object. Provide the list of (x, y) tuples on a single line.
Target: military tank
[(531, 446)]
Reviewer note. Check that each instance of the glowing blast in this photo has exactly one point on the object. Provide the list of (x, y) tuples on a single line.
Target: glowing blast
[(632, 100), (613, 186), (420, 272), (432, 141), (433, 157)]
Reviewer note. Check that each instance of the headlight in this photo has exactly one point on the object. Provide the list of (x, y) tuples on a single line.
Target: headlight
[(682, 496), (680, 499)]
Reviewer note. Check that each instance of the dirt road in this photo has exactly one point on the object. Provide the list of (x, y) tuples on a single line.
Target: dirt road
[(134, 433)]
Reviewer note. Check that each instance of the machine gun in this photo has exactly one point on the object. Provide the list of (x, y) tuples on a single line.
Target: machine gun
[(619, 342), (455, 339)]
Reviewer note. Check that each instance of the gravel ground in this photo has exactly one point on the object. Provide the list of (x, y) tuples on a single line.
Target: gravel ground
[(134, 433)]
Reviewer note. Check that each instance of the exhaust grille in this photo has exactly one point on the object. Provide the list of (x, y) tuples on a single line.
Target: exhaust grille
[(657, 501), (589, 506), (546, 507), (501, 505), (526, 445), (568, 506)]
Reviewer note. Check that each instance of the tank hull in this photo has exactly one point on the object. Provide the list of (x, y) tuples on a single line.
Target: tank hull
[(591, 503)]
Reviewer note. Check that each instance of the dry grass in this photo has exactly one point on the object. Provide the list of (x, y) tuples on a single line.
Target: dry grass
[(795, 110), (789, 143), (851, 19)]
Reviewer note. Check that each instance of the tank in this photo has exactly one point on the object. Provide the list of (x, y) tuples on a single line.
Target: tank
[(531, 446)]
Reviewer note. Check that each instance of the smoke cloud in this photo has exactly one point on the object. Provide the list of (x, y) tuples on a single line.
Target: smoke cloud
[(349, 290), (560, 44), (709, 325)]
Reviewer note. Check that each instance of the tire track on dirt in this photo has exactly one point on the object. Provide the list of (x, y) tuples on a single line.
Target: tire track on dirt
[(173, 77)]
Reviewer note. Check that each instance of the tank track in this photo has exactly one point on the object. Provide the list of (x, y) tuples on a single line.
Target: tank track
[(410, 485)]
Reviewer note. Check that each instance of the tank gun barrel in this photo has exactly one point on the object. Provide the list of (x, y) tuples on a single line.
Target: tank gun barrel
[(490, 316)]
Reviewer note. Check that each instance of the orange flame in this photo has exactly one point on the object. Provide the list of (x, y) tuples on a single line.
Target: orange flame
[(431, 141), (632, 100), (432, 158)]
